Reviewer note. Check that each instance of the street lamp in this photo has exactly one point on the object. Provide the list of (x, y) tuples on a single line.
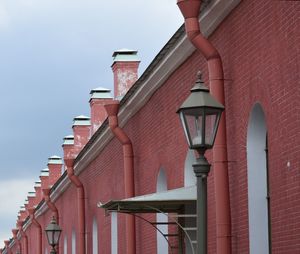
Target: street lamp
[(53, 232), (200, 115)]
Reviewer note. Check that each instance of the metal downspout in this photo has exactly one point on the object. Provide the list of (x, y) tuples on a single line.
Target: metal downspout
[(81, 204), (112, 110), (39, 227), (15, 236), (52, 207), (8, 250), (191, 10), (23, 234), (50, 204)]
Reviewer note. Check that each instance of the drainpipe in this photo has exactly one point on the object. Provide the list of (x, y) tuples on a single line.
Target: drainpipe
[(38, 225), (52, 207), (15, 233), (112, 110), (81, 204), (23, 234), (191, 10), (8, 250), (50, 204)]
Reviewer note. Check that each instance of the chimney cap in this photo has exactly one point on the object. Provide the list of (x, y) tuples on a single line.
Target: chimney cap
[(45, 172), (68, 140), (81, 121), (55, 160), (31, 194), (125, 55), (100, 93), (38, 184)]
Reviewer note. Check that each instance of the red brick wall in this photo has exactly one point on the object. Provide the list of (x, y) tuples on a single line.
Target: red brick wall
[(259, 44)]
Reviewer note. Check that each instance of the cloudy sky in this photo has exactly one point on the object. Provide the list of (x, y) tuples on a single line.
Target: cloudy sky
[(52, 53)]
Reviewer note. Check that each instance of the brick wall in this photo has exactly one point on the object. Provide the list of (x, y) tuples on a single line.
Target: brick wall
[(259, 45)]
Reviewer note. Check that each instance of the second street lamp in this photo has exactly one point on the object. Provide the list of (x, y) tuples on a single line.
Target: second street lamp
[(200, 116), (53, 232)]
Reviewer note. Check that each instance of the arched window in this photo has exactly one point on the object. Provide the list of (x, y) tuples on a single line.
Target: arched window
[(73, 242), (189, 176), (65, 245), (95, 236), (162, 245), (258, 204), (114, 233)]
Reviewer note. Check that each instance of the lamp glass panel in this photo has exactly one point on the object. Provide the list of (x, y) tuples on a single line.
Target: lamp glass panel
[(212, 117), (56, 236), (192, 121), (50, 237)]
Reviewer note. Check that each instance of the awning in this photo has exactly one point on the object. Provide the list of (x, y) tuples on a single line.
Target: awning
[(168, 202)]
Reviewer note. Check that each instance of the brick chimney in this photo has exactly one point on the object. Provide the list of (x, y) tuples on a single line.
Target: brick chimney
[(38, 191), (31, 199), (99, 97), (44, 176), (23, 213), (54, 166), (68, 147), (125, 68), (81, 131)]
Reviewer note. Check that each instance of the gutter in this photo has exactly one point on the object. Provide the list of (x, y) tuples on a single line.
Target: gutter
[(112, 110), (80, 205), (191, 10), (39, 227), (23, 234)]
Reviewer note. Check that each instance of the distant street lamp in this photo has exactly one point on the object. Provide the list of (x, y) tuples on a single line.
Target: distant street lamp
[(53, 232), (200, 115)]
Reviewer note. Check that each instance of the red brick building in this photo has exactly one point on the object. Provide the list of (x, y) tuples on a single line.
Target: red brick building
[(143, 150)]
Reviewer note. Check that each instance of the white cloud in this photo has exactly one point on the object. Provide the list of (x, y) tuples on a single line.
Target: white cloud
[(4, 17), (12, 195)]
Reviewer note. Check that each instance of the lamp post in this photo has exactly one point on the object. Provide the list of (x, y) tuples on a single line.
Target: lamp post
[(200, 115), (53, 232)]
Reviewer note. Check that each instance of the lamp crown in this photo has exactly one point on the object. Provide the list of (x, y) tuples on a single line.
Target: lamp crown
[(199, 84)]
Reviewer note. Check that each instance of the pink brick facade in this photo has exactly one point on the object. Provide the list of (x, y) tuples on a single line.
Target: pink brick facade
[(259, 45)]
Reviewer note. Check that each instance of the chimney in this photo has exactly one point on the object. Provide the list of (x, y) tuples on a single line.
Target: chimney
[(125, 68), (81, 131), (31, 199), (38, 191), (23, 214), (44, 176), (68, 147), (99, 97), (54, 166)]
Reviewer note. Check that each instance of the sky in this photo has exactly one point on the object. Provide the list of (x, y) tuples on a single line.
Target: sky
[(52, 53)]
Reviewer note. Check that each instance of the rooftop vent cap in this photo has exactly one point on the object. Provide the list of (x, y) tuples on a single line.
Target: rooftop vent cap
[(38, 184), (45, 172), (31, 194), (100, 93), (81, 121), (55, 160), (68, 140), (125, 55)]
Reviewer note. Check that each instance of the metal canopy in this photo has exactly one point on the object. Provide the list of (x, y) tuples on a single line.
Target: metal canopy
[(170, 201)]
